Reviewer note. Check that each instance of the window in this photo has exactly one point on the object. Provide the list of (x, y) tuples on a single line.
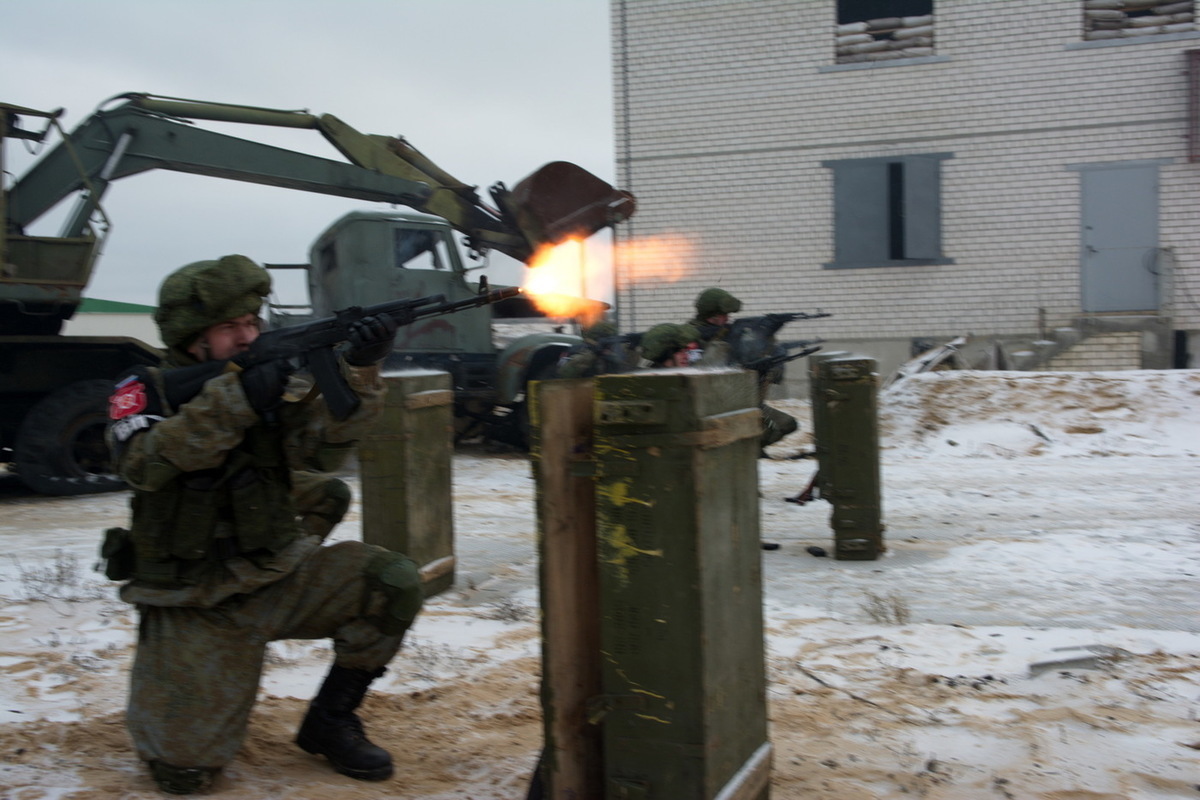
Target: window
[(1122, 19), (887, 211), (881, 30), (420, 249), (1193, 79)]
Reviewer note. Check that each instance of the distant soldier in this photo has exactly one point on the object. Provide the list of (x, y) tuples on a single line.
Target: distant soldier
[(669, 345), (603, 352), (713, 307)]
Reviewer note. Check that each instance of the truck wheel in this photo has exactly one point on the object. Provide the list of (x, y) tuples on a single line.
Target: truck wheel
[(524, 428), (60, 448)]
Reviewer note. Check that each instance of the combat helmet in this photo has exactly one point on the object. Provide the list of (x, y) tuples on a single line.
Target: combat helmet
[(201, 294), (662, 341), (597, 331), (714, 301)]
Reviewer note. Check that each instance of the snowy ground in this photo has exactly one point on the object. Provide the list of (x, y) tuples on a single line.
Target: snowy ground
[(1032, 631)]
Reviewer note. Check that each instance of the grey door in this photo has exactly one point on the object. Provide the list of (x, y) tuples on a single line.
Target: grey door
[(1120, 237)]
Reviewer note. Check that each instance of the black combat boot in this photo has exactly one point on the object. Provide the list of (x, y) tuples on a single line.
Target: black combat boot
[(183, 780), (331, 728)]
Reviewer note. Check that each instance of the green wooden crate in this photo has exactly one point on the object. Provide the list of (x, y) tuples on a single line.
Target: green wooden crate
[(683, 711), (845, 415), (405, 470)]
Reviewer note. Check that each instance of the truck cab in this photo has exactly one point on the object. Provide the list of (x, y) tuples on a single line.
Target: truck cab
[(370, 257)]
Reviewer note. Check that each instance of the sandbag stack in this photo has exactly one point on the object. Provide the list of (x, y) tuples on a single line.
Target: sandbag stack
[(884, 39), (1119, 19)]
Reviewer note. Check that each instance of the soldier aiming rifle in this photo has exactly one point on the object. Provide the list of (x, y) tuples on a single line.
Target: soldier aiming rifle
[(227, 452), (749, 342)]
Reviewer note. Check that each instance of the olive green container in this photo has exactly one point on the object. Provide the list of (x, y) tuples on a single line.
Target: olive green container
[(562, 422), (682, 709), (405, 472), (845, 414)]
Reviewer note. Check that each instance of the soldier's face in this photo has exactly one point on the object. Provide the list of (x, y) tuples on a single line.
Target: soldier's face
[(677, 359), (226, 339), (718, 319)]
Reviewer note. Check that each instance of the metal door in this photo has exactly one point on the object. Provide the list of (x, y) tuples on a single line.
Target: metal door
[(1119, 262)]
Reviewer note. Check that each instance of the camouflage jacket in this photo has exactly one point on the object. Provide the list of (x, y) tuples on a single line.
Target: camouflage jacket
[(203, 433)]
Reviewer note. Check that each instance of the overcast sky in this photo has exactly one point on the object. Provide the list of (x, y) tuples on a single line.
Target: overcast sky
[(489, 89)]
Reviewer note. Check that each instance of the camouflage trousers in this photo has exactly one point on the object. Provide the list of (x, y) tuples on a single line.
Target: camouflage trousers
[(196, 671), (776, 425)]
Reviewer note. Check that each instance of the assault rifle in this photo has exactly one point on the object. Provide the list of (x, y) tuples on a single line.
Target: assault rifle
[(752, 340), (609, 355), (312, 345), (618, 353), (767, 325), (766, 364)]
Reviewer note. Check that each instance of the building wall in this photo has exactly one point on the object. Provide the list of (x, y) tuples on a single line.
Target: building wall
[(1110, 351), (725, 111)]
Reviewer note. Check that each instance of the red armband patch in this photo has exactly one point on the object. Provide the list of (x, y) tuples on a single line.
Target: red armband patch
[(129, 398)]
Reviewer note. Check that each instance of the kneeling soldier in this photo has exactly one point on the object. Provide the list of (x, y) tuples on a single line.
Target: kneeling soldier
[(224, 553)]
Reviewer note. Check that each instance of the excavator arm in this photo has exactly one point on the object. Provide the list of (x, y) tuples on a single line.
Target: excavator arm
[(147, 132)]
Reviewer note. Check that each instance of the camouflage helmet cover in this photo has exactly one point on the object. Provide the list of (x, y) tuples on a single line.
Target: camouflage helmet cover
[(715, 301), (204, 293), (597, 331), (662, 341)]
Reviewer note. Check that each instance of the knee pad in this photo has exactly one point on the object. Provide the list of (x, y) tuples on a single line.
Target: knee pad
[(398, 579), (324, 512), (335, 503), (337, 500)]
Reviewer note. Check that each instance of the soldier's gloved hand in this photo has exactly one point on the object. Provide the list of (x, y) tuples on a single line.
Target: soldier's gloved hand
[(264, 384), (371, 340)]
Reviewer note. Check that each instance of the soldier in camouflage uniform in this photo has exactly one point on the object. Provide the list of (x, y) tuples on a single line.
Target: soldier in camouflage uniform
[(713, 307), (603, 352), (669, 345), (219, 558)]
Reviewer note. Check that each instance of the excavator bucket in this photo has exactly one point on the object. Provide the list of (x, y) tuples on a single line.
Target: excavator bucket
[(562, 200)]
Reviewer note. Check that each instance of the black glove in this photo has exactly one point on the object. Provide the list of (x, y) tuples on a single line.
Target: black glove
[(371, 340), (264, 384)]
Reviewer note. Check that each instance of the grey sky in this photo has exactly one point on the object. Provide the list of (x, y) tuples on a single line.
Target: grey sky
[(489, 89)]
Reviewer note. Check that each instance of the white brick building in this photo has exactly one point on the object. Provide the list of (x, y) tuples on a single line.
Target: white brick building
[(1011, 169)]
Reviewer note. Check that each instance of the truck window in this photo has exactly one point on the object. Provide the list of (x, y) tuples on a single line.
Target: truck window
[(327, 260), (420, 249)]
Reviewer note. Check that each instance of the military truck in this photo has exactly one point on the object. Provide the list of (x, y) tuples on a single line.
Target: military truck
[(54, 388), (367, 255)]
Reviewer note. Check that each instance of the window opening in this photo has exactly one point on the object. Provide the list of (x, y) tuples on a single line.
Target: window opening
[(420, 249), (895, 188), (887, 211), (1193, 79), (326, 278), (1122, 19), (881, 30), (327, 262)]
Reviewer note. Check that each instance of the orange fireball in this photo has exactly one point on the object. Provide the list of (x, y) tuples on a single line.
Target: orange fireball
[(556, 282), (559, 275)]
